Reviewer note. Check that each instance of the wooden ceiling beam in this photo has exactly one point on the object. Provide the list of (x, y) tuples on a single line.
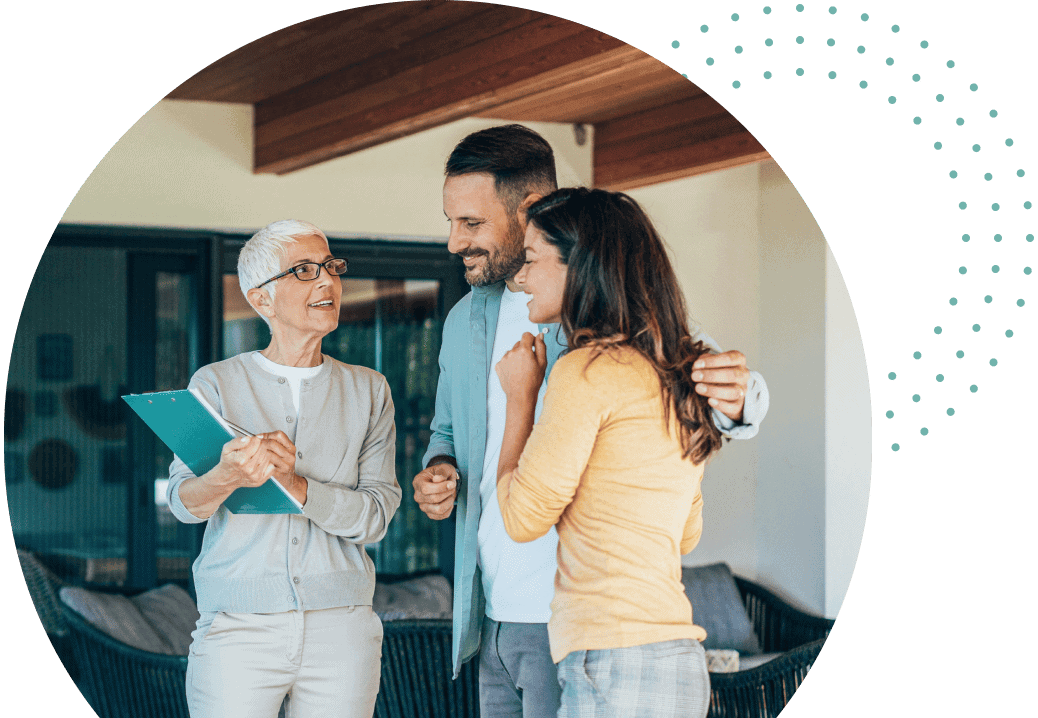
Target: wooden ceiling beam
[(397, 68), (347, 112), (350, 80), (311, 49), (592, 98), (681, 139)]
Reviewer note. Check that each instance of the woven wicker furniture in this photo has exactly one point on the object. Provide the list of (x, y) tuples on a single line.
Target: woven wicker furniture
[(120, 681), (763, 691), (416, 674)]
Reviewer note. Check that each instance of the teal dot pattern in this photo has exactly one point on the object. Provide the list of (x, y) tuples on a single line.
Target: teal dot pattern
[(880, 59)]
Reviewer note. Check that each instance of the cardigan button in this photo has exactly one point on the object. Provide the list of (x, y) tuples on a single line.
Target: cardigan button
[(281, 380), (289, 419), (299, 454), (295, 580)]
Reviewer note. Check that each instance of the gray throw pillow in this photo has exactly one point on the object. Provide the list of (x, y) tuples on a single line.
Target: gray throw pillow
[(116, 616), (718, 608), (749, 662)]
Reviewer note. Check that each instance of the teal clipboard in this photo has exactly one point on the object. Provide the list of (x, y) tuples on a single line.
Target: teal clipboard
[(196, 433)]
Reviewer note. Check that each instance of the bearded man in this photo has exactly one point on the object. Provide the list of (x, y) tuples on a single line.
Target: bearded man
[(503, 589)]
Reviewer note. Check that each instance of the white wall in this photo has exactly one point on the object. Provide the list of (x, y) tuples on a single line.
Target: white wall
[(848, 437), (710, 223), (189, 164), (790, 527), (785, 508)]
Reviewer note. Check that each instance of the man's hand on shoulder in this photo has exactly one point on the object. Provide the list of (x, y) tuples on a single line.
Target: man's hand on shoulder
[(723, 378)]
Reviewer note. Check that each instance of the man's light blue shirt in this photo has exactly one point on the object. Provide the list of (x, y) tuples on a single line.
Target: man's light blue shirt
[(459, 430)]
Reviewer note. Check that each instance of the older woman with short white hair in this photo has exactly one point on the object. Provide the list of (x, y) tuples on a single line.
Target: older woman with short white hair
[(285, 599)]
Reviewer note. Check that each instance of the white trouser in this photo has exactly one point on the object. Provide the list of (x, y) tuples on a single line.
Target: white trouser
[(327, 662)]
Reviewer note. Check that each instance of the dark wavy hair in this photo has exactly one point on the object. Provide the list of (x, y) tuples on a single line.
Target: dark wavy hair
[(621, 290)]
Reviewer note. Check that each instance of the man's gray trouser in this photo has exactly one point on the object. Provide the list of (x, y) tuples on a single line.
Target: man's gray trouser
[(517, 678)]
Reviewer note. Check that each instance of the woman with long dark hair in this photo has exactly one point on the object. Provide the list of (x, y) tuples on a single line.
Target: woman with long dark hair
[(616, 459)]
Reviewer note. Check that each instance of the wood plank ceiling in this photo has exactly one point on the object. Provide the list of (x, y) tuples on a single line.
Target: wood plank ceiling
[(354, 79)]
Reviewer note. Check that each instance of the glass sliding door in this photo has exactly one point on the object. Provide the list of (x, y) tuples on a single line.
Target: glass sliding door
[(177, 357), (64, 427), (163, 320), (104, 316), (393, 326)]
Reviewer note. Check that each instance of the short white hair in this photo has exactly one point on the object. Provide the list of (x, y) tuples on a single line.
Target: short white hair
[(260, 258)]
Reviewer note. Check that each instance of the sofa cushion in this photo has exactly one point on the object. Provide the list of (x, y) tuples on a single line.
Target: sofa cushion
[(116, 616), (427, 597), (171, 612), (718, 608), (760, 659)]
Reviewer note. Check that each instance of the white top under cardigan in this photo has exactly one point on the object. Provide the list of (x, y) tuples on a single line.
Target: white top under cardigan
[(294, 374), (346, 441)]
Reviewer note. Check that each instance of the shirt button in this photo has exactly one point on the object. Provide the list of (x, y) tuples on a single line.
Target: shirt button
[(295, 541), (289, 419), (295, 580), (281, 380), (299, 454)]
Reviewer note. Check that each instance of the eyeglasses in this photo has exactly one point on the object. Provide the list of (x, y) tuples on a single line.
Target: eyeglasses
[(309, 271)]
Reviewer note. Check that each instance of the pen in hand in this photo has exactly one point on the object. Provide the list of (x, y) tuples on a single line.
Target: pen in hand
[(237, 428)]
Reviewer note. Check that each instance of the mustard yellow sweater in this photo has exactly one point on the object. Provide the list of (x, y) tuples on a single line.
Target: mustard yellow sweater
[(602, 465)]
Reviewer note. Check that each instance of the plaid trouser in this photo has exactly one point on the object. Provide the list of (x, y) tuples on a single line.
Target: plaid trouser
[(658, 680)]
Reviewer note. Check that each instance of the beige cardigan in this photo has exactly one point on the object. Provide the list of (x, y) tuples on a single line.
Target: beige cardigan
[(346, 442)]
